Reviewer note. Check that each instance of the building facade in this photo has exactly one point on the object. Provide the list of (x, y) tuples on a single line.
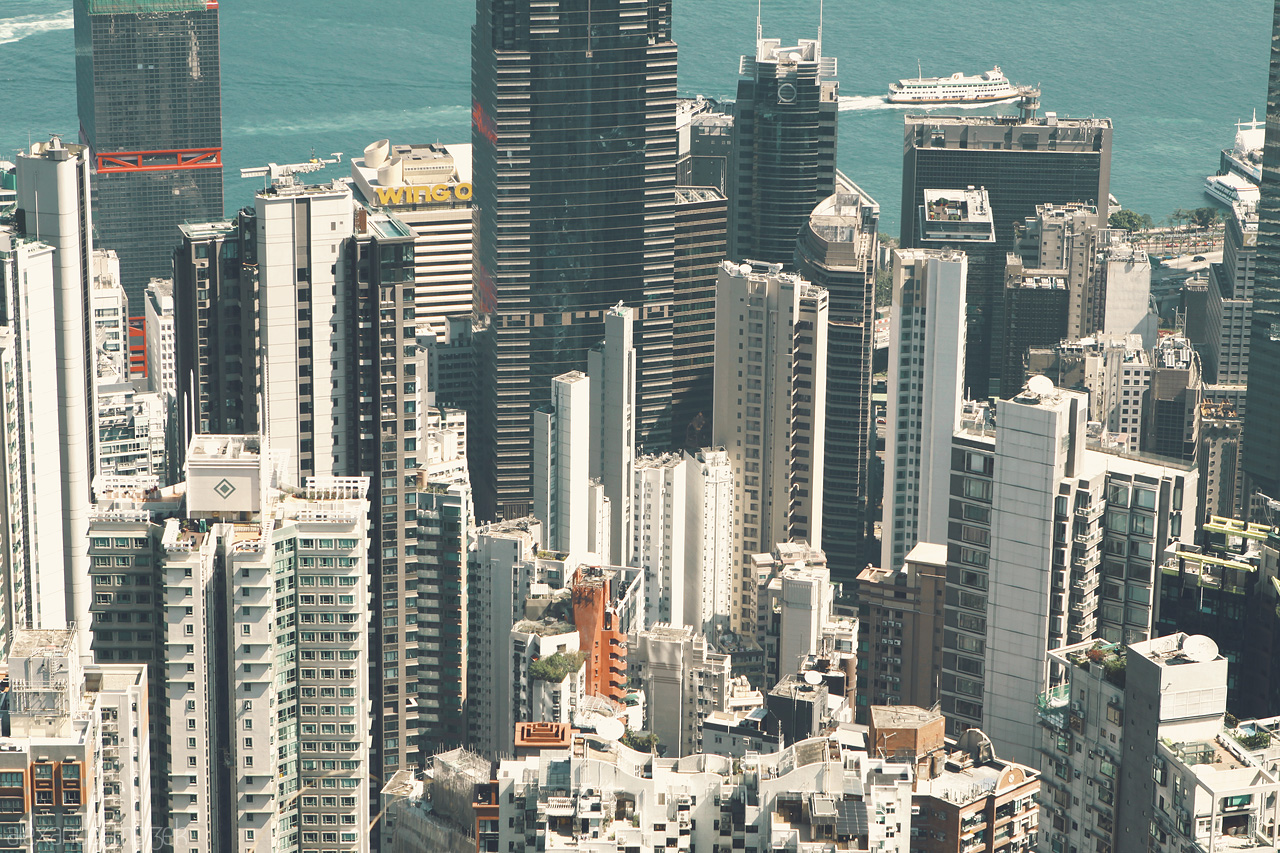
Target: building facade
[(153, 127), (1021, 162), (574, 211), (784, 147), (770, 409), (926, 346), (836, 251)]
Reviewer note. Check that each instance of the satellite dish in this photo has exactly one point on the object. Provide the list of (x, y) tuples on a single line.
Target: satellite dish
[(610, 729), (744, 269), (1199, 649), (812, 678), (1041, 386)]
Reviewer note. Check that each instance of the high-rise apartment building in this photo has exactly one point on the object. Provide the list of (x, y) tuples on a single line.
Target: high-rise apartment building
[(574, 510), (445, 520), (837, 252), (684, 679), (770, 411), (158, 315), (1262, 413), (901, 620), (261, 712), (217, 361), (1116, 372), (1171, 770), (574, 159), (51, 408), (1172, 404), (1021, 162), (1229, 304), (784, 147), (319, 349), (683, 523), (926, 365), (75, 754), (148, 88), (1049, 542)]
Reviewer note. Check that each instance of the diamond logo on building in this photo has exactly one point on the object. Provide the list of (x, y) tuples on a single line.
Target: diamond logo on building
[(224, 488)]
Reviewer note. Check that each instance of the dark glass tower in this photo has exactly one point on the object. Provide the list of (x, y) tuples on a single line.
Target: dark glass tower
[(574, 160), (1262, 412), (837, 251), (701, 214), (1022, 162), (149, 94), (784, 147)]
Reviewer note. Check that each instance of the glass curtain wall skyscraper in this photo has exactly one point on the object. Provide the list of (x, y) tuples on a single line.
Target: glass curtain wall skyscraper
[(1021, 161), (149, 96), (1261, 451), (784, 151), (574, 155)]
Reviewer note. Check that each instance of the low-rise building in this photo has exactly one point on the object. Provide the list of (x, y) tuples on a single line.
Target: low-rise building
[(817, 796)]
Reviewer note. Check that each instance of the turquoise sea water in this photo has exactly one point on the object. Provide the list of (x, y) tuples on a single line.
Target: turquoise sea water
[(1174, 75)]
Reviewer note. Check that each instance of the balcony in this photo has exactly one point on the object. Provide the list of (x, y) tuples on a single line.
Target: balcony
[(1052, 706)]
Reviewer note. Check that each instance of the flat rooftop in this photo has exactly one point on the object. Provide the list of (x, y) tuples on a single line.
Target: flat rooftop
[(36, 642), (901, 716), (1006, 120), (224, 447)]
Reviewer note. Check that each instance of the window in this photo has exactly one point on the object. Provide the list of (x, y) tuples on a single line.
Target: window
[(977, 489)]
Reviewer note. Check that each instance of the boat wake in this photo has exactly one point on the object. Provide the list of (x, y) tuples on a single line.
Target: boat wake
[(860, 103), (16, 29)]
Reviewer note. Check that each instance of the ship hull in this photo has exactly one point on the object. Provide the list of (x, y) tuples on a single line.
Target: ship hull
[(959, 99)]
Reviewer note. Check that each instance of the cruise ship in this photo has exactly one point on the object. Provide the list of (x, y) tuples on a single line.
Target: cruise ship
[(1231, 188), (957, 89), (1245, 157)]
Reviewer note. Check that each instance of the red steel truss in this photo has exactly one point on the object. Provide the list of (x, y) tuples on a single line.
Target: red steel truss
[(160, 161)]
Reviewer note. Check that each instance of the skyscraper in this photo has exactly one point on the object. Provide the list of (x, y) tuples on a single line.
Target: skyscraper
[(836, 251), (770, 412), (926, 354), (148, 88), (1021, 162), (574, 161), (51, 424), (1262, 452), (784, 147)]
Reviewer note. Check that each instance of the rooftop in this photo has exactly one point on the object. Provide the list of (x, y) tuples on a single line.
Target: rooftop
[(225, 447), (56, 642), (901, 716), (205, 230), (1004, 121)]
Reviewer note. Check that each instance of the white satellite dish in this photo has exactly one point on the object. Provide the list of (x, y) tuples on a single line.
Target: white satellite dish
[(1199, 649), (812, 678), (1041, 386), (610, 729)]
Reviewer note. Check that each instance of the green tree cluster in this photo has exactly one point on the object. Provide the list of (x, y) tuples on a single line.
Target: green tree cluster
[(555, 667)]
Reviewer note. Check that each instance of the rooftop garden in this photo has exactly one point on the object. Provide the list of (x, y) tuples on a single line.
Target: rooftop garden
[(1109, 656), (556, 668)]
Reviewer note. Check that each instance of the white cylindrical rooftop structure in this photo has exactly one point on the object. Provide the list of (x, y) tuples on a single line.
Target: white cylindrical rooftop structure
[(375, 153), (391, 173)]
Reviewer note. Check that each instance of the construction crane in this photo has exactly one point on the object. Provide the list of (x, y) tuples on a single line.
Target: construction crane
[(274, 171)]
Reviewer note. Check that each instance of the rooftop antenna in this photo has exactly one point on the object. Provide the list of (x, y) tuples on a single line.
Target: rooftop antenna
[(759, 28), (820, 5)]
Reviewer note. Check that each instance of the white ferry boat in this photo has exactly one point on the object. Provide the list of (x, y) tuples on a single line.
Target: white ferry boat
[(1245, 157), (1231, 188), (988, 86)]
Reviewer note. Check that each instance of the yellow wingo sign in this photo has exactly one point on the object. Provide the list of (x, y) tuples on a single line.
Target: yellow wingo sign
[(423, 194)]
